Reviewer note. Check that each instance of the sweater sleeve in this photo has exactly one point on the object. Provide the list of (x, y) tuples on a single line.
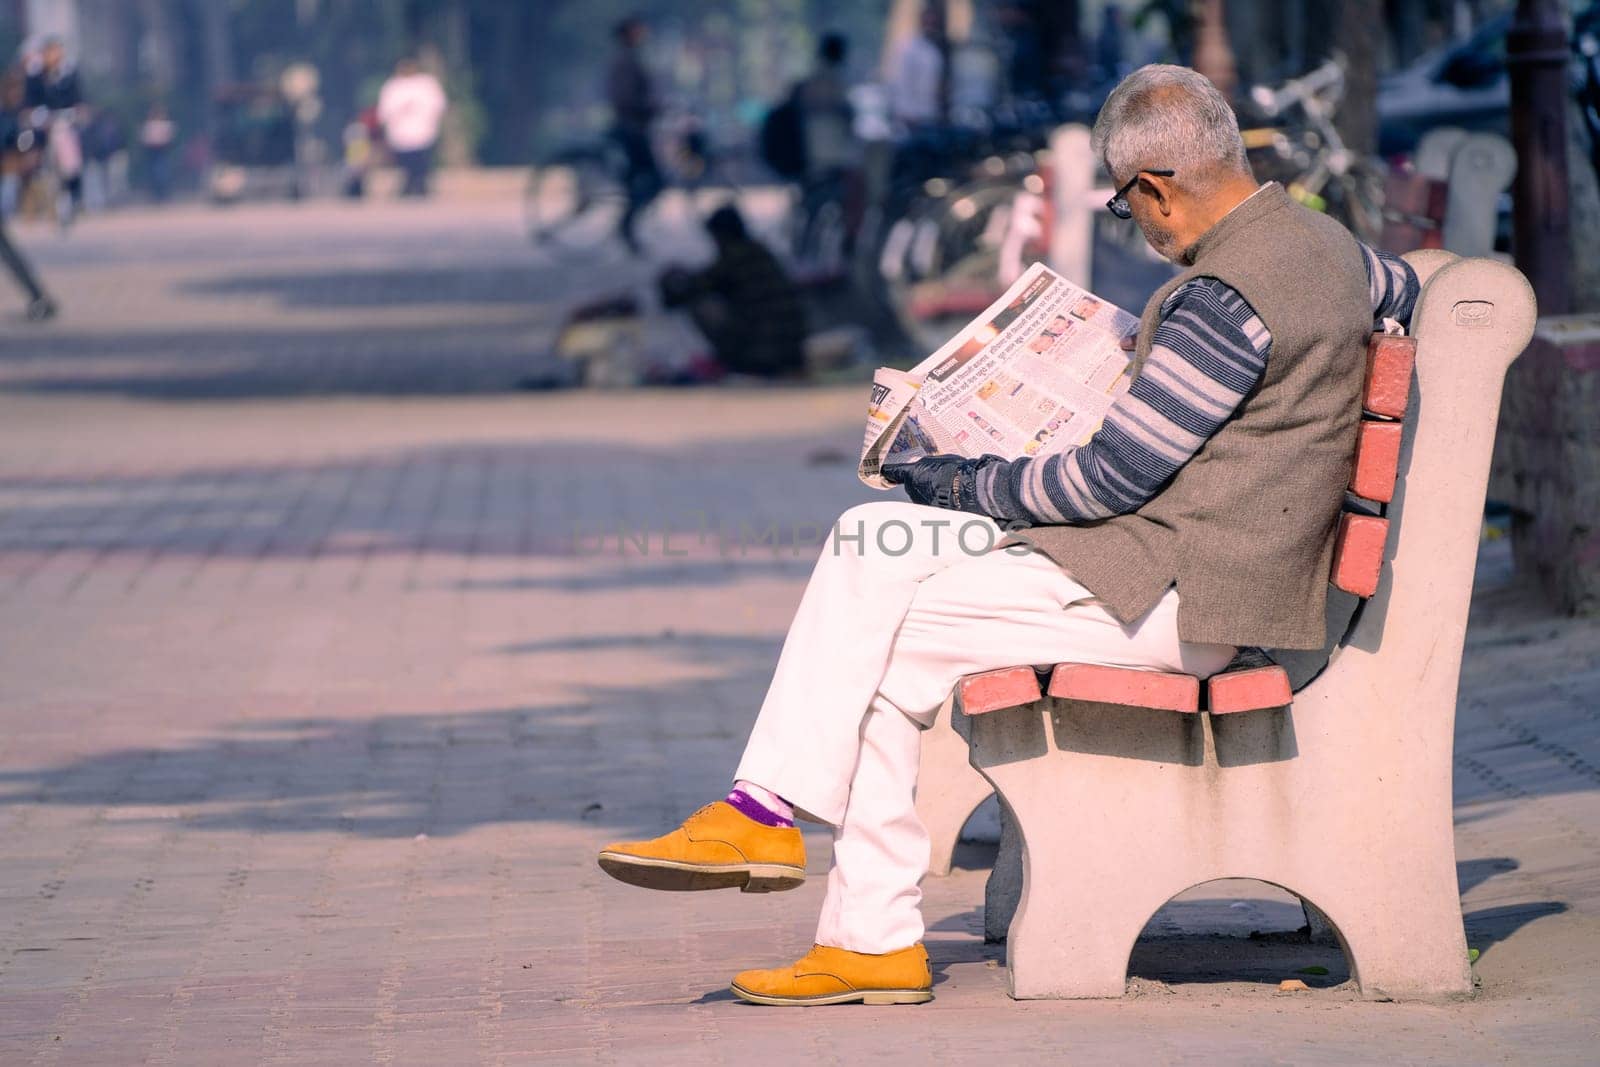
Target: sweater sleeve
[(1208, 352), (1394, 287)]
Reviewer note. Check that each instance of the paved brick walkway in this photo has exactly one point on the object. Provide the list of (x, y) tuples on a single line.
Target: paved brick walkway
[(326, 663)]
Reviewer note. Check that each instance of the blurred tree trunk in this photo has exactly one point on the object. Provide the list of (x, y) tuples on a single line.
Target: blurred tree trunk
[(1071, 55), (1254, 51), (1408, 26), (1583, 205), (1359, 40), (1536, 54), (216, 51), (1213, 54), (1583, 215), (462, 123), (158, 48)]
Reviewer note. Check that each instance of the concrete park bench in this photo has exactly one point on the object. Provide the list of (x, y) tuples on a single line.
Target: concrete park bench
[(1121, 789)]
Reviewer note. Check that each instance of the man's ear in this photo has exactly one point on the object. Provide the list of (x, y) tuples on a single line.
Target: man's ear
[(1160, 190)]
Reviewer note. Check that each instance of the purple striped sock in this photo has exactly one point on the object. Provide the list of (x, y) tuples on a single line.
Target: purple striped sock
[(754, 810)]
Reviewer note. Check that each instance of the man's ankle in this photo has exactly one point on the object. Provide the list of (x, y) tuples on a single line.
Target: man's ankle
[(760, 804)]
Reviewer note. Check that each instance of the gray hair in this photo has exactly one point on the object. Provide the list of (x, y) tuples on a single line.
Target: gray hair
[(1162, 117)]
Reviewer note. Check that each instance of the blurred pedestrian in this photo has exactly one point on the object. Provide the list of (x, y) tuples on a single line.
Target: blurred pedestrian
[(745, 305), (1028, 65), (633, 108), (831, 157), (40, 306), (20, 155), (53, 95), (1181, 25), (103, 144), (157, 136), (52, 81), (1111, 44), (916, 81), (411, 107), (357, 158), (827, 119)]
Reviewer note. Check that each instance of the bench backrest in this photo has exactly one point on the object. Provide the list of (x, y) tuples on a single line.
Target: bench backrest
[(1473, 319), (1362, 534)]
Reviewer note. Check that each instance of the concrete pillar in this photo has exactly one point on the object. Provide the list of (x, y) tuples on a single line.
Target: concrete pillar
[(1547, 460), (1536, 53)]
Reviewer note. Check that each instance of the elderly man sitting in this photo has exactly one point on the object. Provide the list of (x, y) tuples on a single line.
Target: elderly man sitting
[(1199, 518)]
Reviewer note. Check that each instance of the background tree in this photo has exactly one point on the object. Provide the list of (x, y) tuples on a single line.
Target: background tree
[(1360, 43)]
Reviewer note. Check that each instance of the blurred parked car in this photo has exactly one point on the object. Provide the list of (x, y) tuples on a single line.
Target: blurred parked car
[(1464, 84)]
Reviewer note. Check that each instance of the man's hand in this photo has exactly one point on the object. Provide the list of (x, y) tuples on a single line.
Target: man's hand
[(941, 481)]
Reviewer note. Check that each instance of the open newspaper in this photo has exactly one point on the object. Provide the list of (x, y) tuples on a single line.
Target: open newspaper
[(1032, 375)]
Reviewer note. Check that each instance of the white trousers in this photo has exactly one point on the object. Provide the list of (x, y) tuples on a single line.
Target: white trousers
[(903, 602)]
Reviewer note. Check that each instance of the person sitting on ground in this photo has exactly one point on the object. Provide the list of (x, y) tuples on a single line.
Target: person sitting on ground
[(1200, 518), (744, 303)]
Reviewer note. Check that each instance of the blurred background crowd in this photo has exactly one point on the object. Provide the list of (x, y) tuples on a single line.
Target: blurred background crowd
[(170, 88), (910, 140)]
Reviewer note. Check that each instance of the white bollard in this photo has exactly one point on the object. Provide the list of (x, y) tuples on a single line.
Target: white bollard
[(1481, 168), (1072, 166)]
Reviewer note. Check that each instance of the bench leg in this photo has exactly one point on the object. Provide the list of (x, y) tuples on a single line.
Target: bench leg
[(1003, 891), (1403, 933), (1072, 939)]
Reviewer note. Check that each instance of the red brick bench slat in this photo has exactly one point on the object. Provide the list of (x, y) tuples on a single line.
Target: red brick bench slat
[(1248, 690), (1377, 461), (1119, 685), (1389, 364), (994, 690), (1358, 553)]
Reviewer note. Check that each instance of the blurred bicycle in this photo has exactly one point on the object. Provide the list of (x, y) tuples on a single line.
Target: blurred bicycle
[(1296, 142), (576, 197)]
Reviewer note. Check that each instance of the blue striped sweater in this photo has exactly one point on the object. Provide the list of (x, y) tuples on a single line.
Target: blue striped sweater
[(1208, 352)]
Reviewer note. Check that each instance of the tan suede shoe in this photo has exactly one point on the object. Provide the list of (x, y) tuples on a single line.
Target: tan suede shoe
[(836, 976), (716, 848)]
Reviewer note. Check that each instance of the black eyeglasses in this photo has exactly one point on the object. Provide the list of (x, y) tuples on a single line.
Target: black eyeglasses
[(1118, 204)]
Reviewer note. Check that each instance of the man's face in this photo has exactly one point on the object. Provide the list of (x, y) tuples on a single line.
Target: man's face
[(1159, 227), (53, 55)]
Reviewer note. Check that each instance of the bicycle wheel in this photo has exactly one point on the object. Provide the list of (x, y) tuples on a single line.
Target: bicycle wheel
[(575, 200), (950, 257), (1358, 200), (819, 224)]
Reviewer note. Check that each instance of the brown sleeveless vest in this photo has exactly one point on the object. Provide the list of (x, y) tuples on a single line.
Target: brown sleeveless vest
[(1245, 529)]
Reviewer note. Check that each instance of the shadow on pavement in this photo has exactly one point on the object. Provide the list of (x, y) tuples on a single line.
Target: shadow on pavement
[(358, 288), (1487, 927), (1472, 873), (212, 363), (698, 572), (715, 648), (627, 510), (391, 776)]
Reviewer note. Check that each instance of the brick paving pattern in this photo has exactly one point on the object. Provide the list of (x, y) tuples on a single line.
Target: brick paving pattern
[(327, 661)]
